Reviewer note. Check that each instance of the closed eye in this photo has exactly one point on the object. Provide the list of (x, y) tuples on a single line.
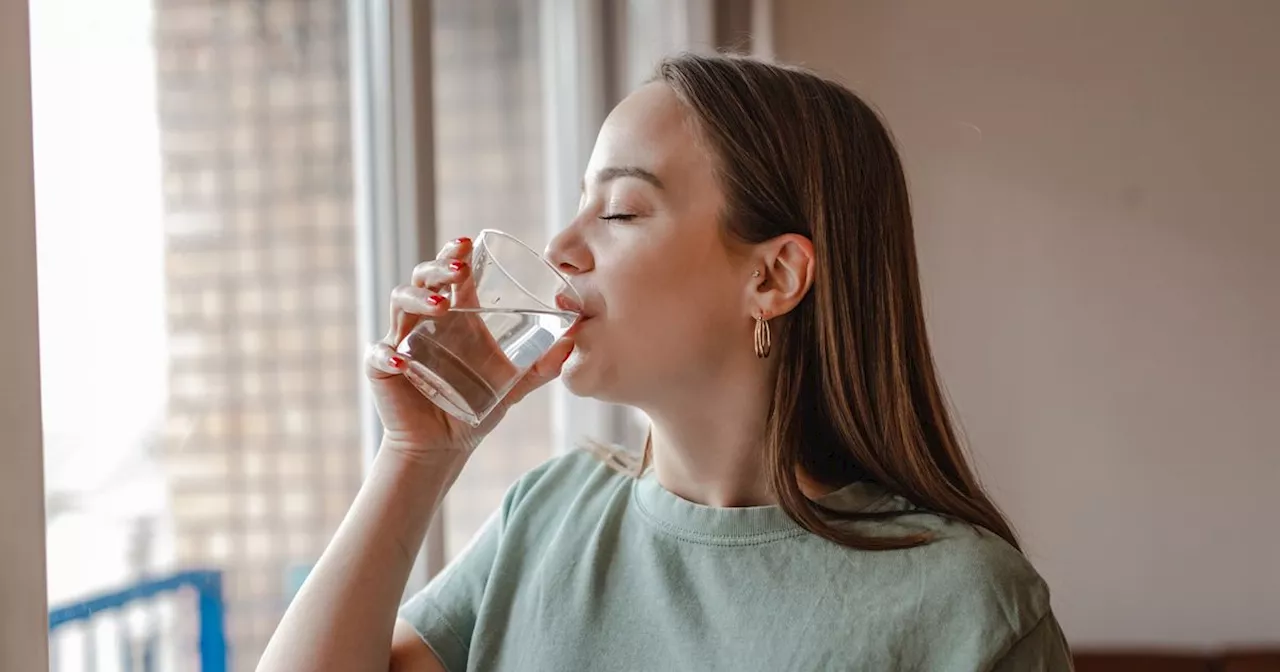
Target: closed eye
[(618, 217)]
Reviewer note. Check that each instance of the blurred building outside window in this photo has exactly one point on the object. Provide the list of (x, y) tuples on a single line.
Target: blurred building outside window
[(197, 294)]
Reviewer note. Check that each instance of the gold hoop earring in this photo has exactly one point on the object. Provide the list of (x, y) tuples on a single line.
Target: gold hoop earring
[(763, 338)]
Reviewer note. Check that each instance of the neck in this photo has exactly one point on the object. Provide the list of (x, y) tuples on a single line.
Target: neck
[(708, 443), (707, 468)]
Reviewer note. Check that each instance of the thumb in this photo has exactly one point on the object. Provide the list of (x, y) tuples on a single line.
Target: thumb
[(545, 370)]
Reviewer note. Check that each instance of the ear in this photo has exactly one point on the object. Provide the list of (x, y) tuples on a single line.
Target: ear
[(781, 271)]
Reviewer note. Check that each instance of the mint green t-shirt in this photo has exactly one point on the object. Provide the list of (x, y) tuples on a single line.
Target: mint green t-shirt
[(584, 568)]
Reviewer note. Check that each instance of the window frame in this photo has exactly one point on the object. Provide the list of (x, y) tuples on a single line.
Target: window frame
[(23, 604)]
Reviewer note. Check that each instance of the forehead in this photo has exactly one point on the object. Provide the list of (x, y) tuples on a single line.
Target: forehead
[(652, 129)]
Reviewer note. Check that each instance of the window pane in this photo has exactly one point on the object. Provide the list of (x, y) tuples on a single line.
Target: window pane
[(489, 168), (197, 304)]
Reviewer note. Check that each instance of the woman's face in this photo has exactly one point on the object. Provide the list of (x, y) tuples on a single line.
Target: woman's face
[(665, 305)]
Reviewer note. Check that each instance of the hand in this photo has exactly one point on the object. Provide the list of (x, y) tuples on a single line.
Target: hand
[(412, 423)]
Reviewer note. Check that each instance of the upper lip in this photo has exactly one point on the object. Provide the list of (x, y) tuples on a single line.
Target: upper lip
[(572, 303)]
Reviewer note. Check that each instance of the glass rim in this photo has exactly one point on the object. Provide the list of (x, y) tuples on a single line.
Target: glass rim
[(564, 280)]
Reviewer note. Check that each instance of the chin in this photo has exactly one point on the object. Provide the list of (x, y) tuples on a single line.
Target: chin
[(583, 378), (576, 375)]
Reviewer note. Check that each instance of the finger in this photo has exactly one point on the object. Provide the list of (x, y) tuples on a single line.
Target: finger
[(464, 292), (459, 248), (408, 306), (437, 274), (382, 361), (545, 370)]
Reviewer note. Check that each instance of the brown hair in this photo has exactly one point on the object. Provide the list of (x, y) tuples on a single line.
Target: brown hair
[(857, 395)]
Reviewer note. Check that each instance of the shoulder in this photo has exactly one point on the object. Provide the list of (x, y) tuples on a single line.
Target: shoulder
[(976, 565), (967, 597), (572, 480), (976, 586), (990, 599), (961, 562)]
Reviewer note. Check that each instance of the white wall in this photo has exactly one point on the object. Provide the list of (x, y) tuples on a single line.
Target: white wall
[(1094, 186), (23, 618)]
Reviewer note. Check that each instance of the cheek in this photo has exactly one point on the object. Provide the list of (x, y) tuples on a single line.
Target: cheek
[(647, 279), (667, 308), (639, 300)]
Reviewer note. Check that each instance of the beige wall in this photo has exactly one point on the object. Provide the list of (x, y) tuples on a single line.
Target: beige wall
[(1094, 190), (23, 620)]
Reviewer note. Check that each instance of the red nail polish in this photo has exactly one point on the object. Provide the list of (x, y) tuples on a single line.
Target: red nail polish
[(457, 265), (435, 299), (463, 240), (397, 362)]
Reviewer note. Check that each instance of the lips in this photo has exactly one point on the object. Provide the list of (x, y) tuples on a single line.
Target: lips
[(571, 304)]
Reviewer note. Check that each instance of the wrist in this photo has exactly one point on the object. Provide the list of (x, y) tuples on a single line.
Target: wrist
[(414, 456)]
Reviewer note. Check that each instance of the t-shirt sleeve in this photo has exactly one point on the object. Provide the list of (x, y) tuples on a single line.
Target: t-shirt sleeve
[(1042, 649), (444, 613), (462, 605)]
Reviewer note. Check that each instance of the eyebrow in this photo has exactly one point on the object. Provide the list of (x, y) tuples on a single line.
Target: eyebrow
[(614, 172)]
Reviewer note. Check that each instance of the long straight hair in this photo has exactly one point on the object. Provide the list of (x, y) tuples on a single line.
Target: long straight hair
[(857, 395)]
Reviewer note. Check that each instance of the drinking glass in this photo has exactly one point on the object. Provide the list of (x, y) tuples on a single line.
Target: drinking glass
[(510, 311)]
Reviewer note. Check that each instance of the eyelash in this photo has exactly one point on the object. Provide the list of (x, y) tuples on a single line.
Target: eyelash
[(618, 217)]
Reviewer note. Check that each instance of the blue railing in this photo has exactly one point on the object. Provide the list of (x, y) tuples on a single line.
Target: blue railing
[(208, 588)]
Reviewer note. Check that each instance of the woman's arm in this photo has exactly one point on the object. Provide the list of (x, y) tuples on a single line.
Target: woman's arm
[(344, 616)]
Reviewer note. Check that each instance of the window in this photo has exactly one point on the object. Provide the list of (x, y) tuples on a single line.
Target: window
[(199, 340)]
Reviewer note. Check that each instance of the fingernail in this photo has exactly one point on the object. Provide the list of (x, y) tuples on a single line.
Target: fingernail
[(457, 265), (395, 361), (435, 299), (463, 240)]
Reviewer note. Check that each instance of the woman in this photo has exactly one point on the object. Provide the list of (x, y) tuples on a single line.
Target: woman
[(745, 255)]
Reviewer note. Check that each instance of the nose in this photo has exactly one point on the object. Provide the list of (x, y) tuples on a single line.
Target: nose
[(568, 252)]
